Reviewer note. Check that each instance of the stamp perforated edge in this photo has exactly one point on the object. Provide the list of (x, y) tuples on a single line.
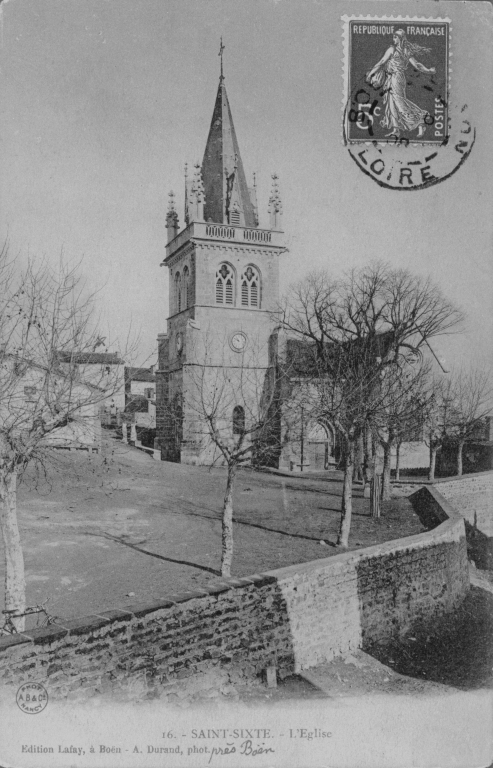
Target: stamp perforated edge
[(345, 63)]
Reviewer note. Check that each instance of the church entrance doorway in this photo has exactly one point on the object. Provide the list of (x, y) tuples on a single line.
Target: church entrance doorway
[(320, 447)]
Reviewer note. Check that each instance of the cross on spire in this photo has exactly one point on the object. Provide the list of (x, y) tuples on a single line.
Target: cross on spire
[(221, 49)]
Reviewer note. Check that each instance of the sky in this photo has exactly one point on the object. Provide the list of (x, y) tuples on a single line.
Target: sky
[(103, 101)]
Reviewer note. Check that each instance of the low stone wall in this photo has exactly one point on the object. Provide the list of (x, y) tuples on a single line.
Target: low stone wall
[(205, 643), (472, 497)]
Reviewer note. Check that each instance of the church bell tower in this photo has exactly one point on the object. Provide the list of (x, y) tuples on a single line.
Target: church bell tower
[(223, 282)]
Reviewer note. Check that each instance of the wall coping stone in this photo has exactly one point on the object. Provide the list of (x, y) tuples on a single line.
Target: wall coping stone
[(116, 614), (217, 587), (437, 480), (450, 511), (182, 597), (83, 624), (7, 641), (468, 476), (46, 634), (141, 609)]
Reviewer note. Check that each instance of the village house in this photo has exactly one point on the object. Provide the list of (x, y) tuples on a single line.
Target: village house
[(39, 393)]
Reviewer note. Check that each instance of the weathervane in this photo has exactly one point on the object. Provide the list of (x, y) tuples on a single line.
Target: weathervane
[(221, 49)]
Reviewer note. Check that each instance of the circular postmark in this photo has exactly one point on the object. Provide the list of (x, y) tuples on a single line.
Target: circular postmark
[(403, 124), (32, 698), (404, 165)]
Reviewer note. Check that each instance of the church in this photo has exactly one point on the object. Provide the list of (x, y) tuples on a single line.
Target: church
[(223, 296), (221, 350)]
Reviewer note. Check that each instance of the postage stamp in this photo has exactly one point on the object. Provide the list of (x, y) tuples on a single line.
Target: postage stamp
[(396, 78)]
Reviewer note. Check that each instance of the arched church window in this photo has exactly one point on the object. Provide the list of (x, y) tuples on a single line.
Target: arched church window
[(186, 288), (178, 292), (225, 285), (238, 420), (250, 287)]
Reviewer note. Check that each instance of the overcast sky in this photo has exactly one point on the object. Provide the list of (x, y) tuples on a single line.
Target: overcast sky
[(103, 101)]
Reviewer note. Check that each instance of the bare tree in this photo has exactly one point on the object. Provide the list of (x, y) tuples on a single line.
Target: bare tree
[(360, 330), (437, 419), (470, 403), (47, 329), (227, 413), (405, 397)]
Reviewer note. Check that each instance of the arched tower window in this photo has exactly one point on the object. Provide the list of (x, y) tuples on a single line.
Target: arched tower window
[(225, 285), (178, 301), (250, 287), (238, 420), (186, 288)]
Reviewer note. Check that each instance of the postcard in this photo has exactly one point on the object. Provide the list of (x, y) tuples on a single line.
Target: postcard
[(246, 423)]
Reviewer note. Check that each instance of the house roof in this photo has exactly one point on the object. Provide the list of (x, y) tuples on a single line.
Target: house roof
[(139, 374), (302, 356), (55, 371)]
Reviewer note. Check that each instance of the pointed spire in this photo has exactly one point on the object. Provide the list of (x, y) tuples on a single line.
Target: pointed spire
[(171, 217), (222, 168), (275, 204)]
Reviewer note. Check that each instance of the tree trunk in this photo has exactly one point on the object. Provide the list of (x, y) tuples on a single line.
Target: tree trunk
[(227, 532), (369, 458), (398, 461), (375, 496), (433, 459), (347, 496), (460, 448), (359, 459), (15, 583), (386, 486)]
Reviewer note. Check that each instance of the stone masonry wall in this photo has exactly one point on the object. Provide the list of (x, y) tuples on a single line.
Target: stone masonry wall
[(205, 643), (472, 496)]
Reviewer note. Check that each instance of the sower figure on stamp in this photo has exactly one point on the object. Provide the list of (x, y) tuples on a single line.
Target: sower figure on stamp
[(401, 114)]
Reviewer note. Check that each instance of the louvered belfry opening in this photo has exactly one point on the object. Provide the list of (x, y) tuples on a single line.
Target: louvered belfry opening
[(250, 287), (225, 285), (234, 217)]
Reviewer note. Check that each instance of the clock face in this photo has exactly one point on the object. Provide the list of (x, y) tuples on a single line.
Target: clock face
[(179, 342), (238, 341)]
